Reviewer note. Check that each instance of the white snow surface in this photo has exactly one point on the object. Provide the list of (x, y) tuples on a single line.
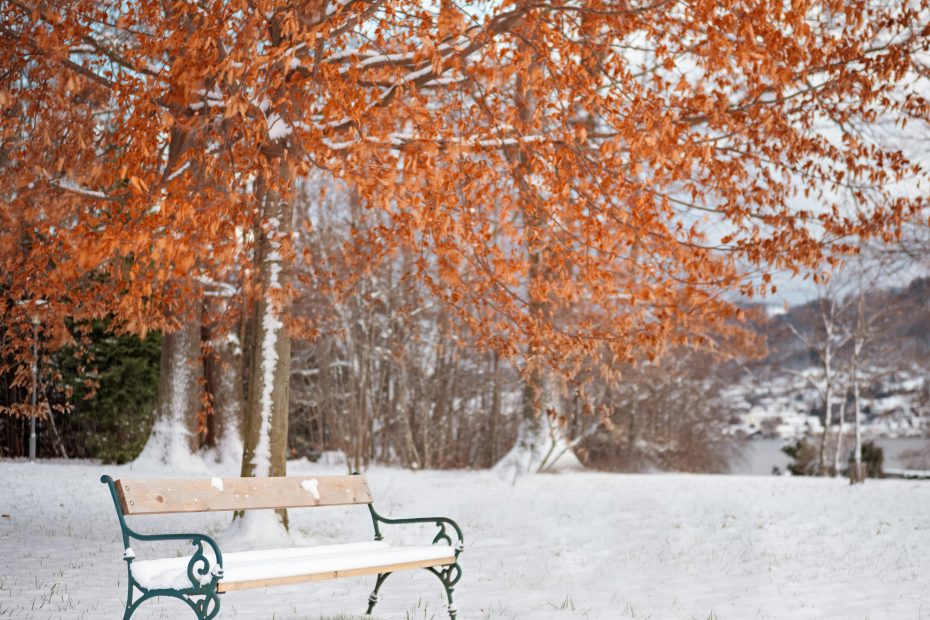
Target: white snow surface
[(311, 486), (277, 128), (72, 186), (551, 547), (288, 562)]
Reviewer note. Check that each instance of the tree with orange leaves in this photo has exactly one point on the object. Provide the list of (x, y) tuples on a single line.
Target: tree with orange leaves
[(669, 148)]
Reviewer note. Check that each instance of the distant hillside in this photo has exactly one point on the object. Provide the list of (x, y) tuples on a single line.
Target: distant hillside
[(777, 396)]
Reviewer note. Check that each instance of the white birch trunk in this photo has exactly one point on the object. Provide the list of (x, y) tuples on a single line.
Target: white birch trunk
[(828, 411), (838, 451), (857, 451), (857, 475)]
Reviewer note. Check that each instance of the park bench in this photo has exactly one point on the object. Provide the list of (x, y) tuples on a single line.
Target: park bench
[(200, 578)]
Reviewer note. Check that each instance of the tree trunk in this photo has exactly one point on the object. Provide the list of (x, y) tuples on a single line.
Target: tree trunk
[(176, 431), (537, 440), (862, 330), (541, 445), (56, 438), (223, 371), (828, 412), (857, 474), (495, 407), (631, 427), (265, 427), (406, 412), (838, 448)]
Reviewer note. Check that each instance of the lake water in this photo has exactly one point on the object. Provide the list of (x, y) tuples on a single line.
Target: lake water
[(761, 455)]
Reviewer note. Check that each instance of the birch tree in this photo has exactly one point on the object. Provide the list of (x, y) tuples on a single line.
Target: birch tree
[(827, 341)]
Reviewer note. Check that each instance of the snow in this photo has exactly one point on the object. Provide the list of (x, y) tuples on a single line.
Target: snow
[(258, 529), (70, 185), (312, 487), (277, 127), (217, 483), (538, 447), (178, 172), (169, 443), (383, 59), (288, 562), (270, 326), (584, 545), (334, 7), (212, 99), (166, 573), (168, 447)]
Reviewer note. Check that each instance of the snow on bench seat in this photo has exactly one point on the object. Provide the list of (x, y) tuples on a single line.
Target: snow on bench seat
[(255, 569)]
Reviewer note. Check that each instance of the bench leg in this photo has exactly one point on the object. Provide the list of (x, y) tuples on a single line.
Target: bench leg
[(206, 608), (449, 576), (373, 597), (129, 606)]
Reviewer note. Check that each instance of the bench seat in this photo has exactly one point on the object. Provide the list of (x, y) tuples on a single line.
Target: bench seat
[(256, 569)]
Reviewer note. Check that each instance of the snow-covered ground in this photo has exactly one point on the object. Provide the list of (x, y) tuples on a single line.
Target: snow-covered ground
[(579, 545)]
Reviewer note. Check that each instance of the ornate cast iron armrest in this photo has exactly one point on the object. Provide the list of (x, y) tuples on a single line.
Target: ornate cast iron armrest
[(440, 522), (199, 570)]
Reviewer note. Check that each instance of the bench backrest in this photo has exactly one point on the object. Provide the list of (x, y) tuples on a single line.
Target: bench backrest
[(147, 496)]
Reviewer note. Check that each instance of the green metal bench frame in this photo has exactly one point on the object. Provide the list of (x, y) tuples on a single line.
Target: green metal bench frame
[(203, 597)]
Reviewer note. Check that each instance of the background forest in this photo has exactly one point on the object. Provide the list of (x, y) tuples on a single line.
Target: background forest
[(390, 380)]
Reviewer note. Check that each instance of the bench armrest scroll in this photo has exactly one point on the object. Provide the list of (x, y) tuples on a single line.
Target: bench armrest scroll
[(200, 570), (198, 540), (440, 522)]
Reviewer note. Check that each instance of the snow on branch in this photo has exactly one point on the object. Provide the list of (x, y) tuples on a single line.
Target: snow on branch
[(70, 185), (399, 139)]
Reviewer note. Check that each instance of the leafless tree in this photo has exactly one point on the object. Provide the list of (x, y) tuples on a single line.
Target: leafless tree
[(666, 415), (826, 341)]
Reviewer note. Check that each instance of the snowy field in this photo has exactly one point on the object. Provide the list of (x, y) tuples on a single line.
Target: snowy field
[(550, 547)]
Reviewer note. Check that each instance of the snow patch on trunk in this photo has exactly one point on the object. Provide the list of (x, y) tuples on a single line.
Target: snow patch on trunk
[(541, 447), (169, 442), (229, 450), (271, 324), (257, 529), (168, 448)]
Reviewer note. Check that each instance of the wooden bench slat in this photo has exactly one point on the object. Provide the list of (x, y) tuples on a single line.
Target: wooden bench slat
[(148, 496), (224, 586)]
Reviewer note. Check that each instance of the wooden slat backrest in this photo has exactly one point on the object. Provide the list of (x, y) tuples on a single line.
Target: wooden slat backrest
[(148, 496)]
